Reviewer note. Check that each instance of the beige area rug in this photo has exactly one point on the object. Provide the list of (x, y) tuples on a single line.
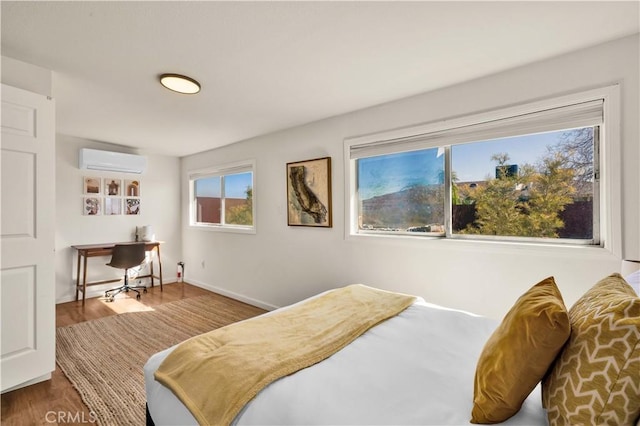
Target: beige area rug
[(103, 358)]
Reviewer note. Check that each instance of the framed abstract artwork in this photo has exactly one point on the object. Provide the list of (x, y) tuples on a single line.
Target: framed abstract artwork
[(309, 193)]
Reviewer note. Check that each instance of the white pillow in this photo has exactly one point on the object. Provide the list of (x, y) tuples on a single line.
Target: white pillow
[(634, 280)]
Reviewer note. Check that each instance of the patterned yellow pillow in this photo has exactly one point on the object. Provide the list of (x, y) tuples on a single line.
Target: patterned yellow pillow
[(519, 353), (596, 378)]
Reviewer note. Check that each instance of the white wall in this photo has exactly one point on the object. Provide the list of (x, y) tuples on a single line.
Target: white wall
[(282, 264), (26, 76), (160, 198)]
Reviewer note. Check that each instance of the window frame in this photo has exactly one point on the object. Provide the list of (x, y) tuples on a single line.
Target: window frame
[(608, 147), (222, 171)]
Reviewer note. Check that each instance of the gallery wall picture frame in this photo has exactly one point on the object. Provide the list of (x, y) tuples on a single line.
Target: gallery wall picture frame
[(132, 206), (112, 206), (92, 185), (131, 188), (92, 206), (112, 187), (110, 196), (309, 193)]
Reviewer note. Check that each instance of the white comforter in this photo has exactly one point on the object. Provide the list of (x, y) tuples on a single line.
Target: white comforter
[(414, 369)]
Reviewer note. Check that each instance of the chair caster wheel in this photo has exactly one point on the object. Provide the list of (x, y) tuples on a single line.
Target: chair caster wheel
[(138, 297)]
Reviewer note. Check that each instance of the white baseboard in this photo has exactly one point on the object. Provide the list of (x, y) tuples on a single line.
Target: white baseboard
[(233, 295), (29, 383), (98, 291)]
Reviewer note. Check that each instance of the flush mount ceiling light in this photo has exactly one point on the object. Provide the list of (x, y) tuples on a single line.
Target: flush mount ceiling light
[(180, 83)]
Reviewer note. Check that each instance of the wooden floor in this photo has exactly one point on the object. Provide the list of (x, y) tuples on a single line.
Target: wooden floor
[(55, 401)]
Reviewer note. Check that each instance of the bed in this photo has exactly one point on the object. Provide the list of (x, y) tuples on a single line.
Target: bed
[(416, 367)]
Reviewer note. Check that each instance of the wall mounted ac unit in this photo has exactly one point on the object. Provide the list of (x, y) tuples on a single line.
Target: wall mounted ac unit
[(94, 159)]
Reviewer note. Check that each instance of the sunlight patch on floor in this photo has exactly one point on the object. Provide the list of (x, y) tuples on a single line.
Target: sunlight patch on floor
[(124, 304)]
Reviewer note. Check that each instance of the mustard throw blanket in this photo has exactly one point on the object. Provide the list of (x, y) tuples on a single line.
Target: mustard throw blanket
[(217, 373)]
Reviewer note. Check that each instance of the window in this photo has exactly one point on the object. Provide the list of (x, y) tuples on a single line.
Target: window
[(530, 173), (222, 198), (402, 192), (541, 186)]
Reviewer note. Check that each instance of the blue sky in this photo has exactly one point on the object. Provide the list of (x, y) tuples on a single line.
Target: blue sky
[(471, 162), (235, 186), (385, 174)]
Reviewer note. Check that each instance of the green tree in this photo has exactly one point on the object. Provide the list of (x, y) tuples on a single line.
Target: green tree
[(552, 190), (497, 203), (241, 214), (526, 204), (458, 196)]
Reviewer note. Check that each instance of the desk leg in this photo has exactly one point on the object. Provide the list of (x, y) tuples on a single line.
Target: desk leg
[(151, 268), (159, 266), (84, 280), (78, 276)]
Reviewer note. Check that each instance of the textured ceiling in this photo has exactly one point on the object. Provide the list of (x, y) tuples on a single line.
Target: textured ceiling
[(265, 66)]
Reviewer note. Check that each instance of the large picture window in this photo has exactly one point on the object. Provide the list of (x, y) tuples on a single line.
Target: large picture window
[(531, 174), (223, 197)]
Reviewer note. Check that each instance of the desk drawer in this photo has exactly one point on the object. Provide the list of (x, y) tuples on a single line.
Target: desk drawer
[(99, 252)]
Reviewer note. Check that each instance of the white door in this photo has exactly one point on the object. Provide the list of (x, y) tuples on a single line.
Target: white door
[(27, 277)]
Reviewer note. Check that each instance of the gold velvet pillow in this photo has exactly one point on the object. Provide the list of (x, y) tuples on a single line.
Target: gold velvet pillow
[(519, 352), (596, 378)]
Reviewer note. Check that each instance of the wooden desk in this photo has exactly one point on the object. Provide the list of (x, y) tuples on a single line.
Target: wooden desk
[(92, 250)]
